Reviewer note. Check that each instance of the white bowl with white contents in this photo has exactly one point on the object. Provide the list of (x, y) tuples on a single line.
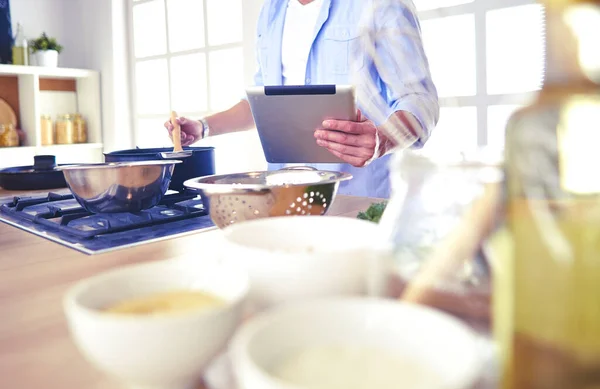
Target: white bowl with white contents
[(299, 257), (354, 343), (157, 343)]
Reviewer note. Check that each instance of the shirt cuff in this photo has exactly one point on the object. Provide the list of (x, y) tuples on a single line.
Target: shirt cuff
[(423, 112)]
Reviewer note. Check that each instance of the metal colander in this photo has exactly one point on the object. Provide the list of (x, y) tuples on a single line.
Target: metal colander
[(232, 198)]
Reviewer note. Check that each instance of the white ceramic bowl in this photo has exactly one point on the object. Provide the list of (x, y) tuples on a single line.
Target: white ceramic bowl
[(442, 349), (160, 351), (290, 258)]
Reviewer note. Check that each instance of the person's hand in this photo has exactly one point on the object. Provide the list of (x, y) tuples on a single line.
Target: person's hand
[(191, 130), (352, 141)]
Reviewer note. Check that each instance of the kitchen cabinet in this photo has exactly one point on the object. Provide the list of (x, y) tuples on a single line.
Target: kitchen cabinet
[(33, 91)]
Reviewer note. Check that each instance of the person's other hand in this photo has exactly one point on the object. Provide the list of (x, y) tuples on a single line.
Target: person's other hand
[(191, 130), (352, 141)]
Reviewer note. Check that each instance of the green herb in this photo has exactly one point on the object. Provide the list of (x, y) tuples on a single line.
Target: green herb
[(45, 43), (373, 213)]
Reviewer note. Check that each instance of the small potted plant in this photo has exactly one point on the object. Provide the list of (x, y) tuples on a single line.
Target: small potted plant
[(46, 51)]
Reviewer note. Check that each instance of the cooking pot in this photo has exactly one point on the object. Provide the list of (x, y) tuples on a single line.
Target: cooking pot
[(200, 163)]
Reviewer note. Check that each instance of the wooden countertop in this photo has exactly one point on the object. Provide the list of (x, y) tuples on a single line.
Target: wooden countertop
[(35, 348)]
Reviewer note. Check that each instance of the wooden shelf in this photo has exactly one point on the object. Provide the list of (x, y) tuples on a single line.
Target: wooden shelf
[(74, 146), (17, 149), (34, 91), (17, 70)]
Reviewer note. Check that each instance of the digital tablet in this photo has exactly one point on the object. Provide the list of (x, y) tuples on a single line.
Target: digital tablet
[(286, 118)]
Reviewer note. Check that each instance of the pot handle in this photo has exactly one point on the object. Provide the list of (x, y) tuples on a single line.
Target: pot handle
[(44, 162), (304, 168)]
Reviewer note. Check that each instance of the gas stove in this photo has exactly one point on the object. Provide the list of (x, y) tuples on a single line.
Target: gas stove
[(57, 216)]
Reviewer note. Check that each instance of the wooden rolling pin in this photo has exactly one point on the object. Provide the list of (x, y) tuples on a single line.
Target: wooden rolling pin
[(460, 245)]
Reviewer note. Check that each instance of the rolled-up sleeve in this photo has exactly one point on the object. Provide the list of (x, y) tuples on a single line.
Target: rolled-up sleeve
[(397, 75)]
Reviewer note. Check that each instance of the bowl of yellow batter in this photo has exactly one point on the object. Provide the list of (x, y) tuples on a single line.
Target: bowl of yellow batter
[(156, 325)]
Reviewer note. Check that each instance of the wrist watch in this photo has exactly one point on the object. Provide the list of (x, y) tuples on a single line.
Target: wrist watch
[(205, 128)]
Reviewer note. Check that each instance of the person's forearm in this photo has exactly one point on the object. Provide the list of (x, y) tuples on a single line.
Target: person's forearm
[(237, 118)]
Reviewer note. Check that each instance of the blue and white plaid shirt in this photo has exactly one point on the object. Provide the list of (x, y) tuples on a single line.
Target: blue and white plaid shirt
[(373, 44)]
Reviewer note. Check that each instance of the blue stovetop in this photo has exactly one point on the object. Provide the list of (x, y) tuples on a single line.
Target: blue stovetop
[(58, 217)]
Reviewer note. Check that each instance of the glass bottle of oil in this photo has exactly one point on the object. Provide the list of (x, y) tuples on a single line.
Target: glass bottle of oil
[(20, 50), (547, 285)]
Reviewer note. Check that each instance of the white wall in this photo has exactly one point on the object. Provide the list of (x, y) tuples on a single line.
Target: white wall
[(53, 17), (93, 33), (105, 30)]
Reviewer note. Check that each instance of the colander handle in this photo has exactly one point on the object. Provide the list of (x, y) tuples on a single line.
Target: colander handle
[(309, 168)]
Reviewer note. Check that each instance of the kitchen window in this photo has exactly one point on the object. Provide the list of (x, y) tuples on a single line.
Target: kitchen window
[(187, 56), (487, 60)]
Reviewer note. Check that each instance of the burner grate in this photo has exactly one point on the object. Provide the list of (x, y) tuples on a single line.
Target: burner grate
[(63, 213)]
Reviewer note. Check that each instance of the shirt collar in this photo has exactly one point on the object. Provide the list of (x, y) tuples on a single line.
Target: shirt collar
[(313, 4)]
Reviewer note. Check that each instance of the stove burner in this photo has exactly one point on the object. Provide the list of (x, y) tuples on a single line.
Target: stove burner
[(61, 216), (63, 212)]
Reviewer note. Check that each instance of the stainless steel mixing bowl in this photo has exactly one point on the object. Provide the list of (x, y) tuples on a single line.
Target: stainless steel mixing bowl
[(121, 186), (233, 198)]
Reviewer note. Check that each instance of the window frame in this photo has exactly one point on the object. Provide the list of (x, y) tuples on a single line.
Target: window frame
[(207, 49), (481, 100)]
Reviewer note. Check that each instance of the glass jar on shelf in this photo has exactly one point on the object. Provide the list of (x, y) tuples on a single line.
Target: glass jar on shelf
[(47, 130), (65, 129), (80, 128), (9, 137)]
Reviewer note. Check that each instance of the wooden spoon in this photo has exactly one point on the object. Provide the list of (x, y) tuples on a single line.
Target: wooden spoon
[(178, 151), (176, 133)]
